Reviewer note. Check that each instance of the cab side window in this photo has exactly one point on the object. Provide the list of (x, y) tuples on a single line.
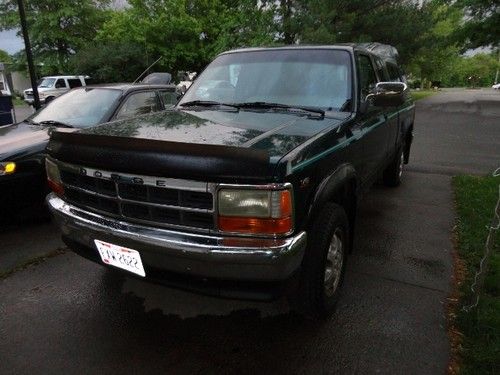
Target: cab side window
[(138, 104), (60, 84), (367, 76)]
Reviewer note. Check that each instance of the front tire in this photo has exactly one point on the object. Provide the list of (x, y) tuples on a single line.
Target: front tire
[(324, 263)]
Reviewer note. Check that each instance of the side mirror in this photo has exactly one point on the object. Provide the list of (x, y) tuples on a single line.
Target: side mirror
[(389, 94)]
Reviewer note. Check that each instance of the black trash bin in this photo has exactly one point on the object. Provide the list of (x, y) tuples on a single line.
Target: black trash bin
[(6, 109)]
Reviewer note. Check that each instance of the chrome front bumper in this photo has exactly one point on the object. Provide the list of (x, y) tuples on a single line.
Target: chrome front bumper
[(207, 256)]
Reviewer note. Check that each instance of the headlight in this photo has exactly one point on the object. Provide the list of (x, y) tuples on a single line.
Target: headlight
[(7, 167), (54, 177), (255, 211)]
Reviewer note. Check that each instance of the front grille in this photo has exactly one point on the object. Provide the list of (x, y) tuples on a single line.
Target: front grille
[(135, 199)]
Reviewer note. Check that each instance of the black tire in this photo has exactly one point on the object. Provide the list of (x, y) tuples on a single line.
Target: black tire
[(394, 171), (49, 99), (315, 297)]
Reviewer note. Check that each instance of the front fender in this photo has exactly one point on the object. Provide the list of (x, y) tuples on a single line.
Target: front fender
[(331, 187)]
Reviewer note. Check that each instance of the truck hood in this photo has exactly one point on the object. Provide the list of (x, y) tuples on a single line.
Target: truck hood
[(225, 146), (275, 133)]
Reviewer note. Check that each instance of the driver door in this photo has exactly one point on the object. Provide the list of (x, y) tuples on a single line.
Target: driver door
[(371, 123)]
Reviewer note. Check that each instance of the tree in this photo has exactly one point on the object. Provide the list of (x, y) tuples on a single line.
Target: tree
[(162, 28), (235, 24), (340, 21), (109, 62), (5, 57), (477, 70), (438, 52), (187, 34), (57, 28), (482, 23)]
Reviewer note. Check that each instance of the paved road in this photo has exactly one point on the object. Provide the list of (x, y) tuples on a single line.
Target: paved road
[(67, 315)]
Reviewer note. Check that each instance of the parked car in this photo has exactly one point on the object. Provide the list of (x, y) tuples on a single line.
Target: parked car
[(22, 168), (249, 190), (496, 86), (51, 87)]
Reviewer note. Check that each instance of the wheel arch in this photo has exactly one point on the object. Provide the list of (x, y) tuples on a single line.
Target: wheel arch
[(341, 187)]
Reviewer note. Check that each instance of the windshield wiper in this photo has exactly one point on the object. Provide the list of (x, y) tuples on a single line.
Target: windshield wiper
[(268, 105), (205, 103), (31, 122), (55, 123)]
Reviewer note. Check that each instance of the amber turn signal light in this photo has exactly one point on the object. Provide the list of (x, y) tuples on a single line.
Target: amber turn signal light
[(255, 225)]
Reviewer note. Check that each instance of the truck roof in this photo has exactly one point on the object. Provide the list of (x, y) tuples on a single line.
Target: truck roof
[(384, 51), (70, 76)]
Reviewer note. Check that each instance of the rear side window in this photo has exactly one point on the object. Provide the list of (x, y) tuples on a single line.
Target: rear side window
[(394, 74), (74, 82), (138, 104), (367, 76), (382, 73)]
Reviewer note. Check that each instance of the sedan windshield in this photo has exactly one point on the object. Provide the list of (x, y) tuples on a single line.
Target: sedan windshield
[(314, 78), (79, 108)]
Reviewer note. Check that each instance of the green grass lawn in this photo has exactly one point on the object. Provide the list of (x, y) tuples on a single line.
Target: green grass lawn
[(18, 101), (420, 94), (476, 198)]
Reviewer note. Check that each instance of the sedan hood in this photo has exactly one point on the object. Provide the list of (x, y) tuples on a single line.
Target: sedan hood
[(19, 140), (275, 133)]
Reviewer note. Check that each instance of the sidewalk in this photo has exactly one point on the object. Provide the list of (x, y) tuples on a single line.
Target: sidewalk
[(22, 112)]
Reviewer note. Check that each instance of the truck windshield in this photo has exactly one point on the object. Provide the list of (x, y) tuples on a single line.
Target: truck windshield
[(318, 78), (47, 82), (79, 108)]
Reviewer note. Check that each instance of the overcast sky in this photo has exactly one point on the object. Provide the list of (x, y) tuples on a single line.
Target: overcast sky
[(10, 42)]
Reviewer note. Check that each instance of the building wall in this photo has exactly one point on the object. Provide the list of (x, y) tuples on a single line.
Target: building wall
[(20, 82)]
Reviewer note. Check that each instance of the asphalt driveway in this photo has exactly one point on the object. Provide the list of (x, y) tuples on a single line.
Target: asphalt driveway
[(67, 315)]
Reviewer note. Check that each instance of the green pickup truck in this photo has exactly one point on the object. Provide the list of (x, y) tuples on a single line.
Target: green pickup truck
[(249, 187)]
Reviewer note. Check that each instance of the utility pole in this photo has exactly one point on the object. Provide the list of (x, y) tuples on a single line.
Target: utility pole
[(29, 55)]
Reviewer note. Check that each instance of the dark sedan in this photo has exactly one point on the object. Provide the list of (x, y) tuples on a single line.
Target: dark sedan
[(22, 145)]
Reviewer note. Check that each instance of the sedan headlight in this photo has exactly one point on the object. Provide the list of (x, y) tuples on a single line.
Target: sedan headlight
[(7, 167), (255, 211)]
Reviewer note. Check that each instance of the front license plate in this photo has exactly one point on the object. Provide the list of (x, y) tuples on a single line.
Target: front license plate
[(121, 257)]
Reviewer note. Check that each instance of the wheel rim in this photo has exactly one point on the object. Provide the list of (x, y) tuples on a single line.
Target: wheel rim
[(334, 262), (401, 163)]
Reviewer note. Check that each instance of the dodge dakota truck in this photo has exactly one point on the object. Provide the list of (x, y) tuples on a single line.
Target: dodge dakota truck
[(249, 187)]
